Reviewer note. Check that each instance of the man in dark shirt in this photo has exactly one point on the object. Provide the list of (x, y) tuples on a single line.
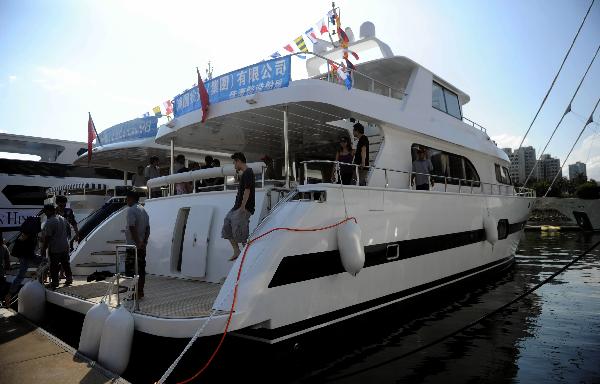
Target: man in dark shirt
[(237, 221), (361, 156)]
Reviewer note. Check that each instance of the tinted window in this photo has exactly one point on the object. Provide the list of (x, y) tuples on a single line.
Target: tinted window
[(452, 105), (455, 165), (437, 100), (445, 100), (450, 165), (502, 174)]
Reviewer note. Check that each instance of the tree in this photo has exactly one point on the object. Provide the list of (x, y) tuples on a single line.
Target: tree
[(588, 190)]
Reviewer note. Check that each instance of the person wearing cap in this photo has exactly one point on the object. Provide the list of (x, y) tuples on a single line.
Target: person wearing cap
[(237, 221), (361, 155), (422, 168), (55, 239), (137, 232), (67, 213)]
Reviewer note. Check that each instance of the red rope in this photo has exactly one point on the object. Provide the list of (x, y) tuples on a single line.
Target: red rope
[(238, 279)]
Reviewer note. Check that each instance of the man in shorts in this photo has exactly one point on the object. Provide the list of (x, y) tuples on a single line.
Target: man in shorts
[(237, 221)]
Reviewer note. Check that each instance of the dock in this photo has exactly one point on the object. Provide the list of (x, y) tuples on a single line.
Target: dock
[(29, 354)]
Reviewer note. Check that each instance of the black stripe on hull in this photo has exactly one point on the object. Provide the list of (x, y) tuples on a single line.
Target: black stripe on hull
[(297, 268), (287, 331)]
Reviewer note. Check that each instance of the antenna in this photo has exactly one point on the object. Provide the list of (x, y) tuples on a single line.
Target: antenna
[(209, 71)]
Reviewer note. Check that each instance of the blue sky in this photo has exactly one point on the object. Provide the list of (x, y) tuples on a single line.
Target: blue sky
[(118, 59)]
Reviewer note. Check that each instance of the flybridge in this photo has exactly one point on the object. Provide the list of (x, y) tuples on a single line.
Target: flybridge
[(260, 77)]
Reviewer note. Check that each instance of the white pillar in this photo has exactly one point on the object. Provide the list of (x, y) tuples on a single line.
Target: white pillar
[(286, 147), (172, 186)]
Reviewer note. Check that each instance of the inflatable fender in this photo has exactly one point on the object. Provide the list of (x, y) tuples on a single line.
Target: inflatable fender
[(490, 225), (91, 333), (32, 301), (352, 251), (115, 343)]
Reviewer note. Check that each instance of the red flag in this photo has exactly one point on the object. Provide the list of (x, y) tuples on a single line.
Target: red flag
[(289, 48), (203, 97), (168, 107), (322, 26), (91, 136)]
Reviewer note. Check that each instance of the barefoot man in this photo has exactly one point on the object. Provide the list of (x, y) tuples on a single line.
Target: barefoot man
[(235, 226)]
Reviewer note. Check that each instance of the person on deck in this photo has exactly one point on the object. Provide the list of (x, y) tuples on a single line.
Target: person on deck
[(67, 213), (361, 155), (345, 154), (138, 179), (422, 168), (137, 232), (237, 221), (24, 249), (152, 171), (4, 266), (55, 237)]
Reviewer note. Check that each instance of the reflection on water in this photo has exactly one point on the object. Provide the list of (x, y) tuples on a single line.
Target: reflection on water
[(553, 335)]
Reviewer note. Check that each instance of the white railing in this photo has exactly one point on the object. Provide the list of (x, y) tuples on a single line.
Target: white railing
[(474, 124), (463, 185), (373, 85)]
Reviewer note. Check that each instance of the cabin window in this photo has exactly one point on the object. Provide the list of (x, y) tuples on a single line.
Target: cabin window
[(438, 101), (446, 101), (502, 175), (453, 166), (471, 173)]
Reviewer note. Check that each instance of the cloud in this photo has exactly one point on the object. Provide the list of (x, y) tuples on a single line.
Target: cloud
[(508, 141), (61, 79), (12, 78)]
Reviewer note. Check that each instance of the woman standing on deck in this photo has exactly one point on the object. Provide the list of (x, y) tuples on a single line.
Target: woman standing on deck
[(345, 154)]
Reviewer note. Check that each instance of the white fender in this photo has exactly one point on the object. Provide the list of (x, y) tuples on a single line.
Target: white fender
[(32, 301), (91, 333), (115, 343), (352, 251), (490, 224)]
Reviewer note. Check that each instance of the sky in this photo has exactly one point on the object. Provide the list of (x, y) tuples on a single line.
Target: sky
[(118, 59)]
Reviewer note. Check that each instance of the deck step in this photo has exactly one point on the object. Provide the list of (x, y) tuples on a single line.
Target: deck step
[(95, 265), (115, 242), (104, 253)]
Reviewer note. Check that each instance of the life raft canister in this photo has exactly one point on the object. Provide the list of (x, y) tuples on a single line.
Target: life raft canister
[(352, 251)]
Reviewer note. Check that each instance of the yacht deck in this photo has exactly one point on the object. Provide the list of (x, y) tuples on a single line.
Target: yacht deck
[(165, 297)]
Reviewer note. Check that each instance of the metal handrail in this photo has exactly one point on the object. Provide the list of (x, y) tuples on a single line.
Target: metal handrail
[(475, 125), (374, 81), (461, 182), (118, 272)]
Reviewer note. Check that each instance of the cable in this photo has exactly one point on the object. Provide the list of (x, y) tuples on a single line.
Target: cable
[(471, 324), (555, 77), (233, 302), (589, 121), (563, 116)]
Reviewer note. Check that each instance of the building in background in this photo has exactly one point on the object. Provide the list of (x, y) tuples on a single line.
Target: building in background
[(522, 161), (548, 167), (577, 170)]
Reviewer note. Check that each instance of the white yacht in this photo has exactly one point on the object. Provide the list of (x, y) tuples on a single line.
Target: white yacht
[(414, 241)]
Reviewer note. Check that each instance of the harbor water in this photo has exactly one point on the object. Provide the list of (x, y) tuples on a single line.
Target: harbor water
[(552, 335)]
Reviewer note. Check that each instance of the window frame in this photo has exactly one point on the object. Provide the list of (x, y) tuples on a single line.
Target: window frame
[(445, 176), (444, 90)]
